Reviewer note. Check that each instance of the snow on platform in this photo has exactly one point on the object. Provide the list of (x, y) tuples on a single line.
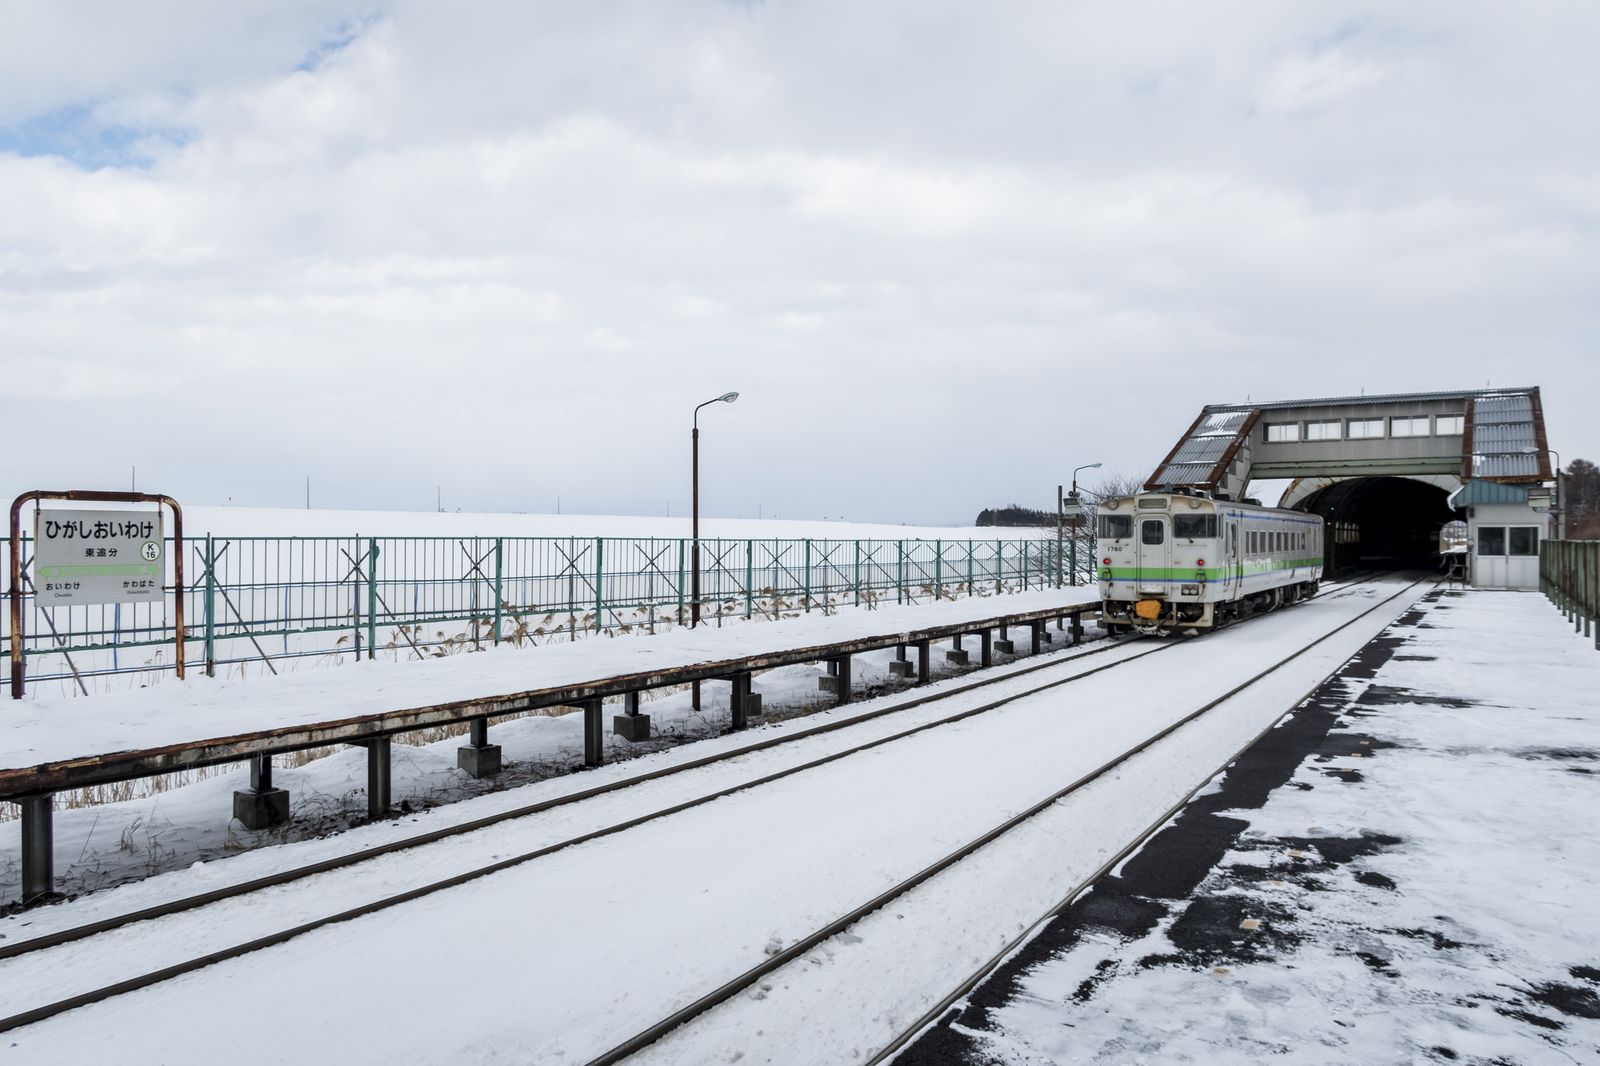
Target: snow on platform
[(1404, 871), (42, 731)]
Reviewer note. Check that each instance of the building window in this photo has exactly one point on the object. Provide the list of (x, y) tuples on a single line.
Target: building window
[(1523, 540), (1363, 428), (1448, 425), (1409, 427), (1491, 540), (1322, 430), (1280, 432)]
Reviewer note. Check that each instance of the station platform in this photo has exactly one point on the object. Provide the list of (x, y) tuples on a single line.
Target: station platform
[(1402, 871), (51, 745)]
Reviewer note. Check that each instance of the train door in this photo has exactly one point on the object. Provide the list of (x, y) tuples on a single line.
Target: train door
[(1235, 579), (1155, 549)]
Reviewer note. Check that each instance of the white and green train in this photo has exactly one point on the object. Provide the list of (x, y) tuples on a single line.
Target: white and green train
[(1185, 561)]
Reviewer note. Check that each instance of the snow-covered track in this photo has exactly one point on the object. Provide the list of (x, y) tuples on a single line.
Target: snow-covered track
[(178, 907), (803, 947)]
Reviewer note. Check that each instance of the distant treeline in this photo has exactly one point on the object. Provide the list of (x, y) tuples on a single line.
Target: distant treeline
[(1015, 515)]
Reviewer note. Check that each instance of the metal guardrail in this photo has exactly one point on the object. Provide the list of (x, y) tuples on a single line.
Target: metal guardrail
[(1569, 573), (270, 603)]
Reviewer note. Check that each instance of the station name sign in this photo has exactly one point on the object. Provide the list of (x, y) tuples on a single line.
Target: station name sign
[(97, 557)]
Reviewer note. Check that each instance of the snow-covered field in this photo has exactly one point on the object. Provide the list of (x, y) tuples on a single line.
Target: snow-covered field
[(1421, 890), (558, 959), (289, 522)]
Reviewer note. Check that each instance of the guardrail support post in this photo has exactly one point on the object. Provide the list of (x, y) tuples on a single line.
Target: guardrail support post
[(630, 725), (743, 704), (261, 806), (594, 741), (378, 776), (1039, 636), (956, 654), (38, 848), (1077, 629), (478, 757), (924, 671), (985, 648)]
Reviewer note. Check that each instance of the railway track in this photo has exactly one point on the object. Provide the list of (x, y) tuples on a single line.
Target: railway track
[(770, 967), (1071, 666)]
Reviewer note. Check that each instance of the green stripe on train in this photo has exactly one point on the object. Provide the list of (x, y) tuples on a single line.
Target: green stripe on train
[(1212, 573)]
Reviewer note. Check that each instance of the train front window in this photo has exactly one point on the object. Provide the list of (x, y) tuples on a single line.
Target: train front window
[(1195, 526), (1116, 526), (1153, 532)]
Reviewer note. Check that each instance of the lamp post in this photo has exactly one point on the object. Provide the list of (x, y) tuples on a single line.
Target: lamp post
[(1072, 564), (694, 586), (1561, 511)]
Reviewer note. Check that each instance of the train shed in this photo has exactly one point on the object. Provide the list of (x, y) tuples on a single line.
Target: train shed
[(1388, 472)]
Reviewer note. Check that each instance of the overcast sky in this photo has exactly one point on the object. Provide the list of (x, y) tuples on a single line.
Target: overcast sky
[(946, 252)]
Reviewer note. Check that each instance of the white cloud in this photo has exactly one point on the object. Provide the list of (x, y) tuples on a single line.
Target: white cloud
[(940, 251)]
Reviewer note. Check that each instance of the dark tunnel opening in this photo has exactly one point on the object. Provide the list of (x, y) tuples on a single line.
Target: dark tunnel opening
[(1381, 523)]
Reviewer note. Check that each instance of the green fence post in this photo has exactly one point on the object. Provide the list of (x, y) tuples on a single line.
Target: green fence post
[(938, 570), (749, 578), (999, 567), (969, 568), (499, 597), (372, 598), (211, 603), (900, 572), (680, 581), (858, 573), (599, 583), (1024, 566), (808, 575)]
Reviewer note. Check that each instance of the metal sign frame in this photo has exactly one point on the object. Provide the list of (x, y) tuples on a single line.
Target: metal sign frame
[(18, 666)]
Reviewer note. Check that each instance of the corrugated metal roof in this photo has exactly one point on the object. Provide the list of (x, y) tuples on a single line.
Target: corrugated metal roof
[(1505, 465), (1505, 437), (1480, 395)]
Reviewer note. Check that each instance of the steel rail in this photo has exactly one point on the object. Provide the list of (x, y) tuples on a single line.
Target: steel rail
[(766, 968), (977, 977), (217, 895), (166, 973)]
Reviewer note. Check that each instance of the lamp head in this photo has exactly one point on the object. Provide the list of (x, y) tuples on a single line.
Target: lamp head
[(728, 397)]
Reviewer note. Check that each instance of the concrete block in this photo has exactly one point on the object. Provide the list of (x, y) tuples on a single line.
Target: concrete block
[(828, 683), (631, 727), (958, 656), (261, 809), (1005, 647), (479, 760), (902, 668), (752, 705)]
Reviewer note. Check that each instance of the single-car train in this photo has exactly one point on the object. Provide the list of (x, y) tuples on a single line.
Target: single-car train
[(1180, 561)]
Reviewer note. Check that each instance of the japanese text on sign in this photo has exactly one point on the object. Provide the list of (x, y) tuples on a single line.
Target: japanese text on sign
[(97, 557)]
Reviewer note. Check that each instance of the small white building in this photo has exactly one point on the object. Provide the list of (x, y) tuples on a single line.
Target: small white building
[(1503, 532)]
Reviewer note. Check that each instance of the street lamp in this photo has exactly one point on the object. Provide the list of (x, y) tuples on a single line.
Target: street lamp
[(1072, 565), (694, 588)]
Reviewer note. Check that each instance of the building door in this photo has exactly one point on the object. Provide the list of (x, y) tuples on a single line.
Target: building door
[(1506, 557)]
